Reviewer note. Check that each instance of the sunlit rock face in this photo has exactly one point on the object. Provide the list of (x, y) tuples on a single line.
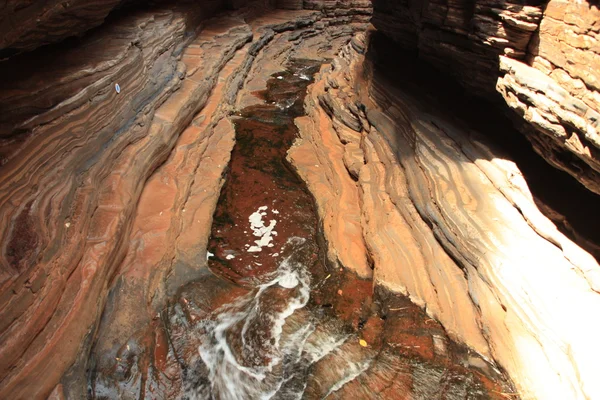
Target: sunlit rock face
[(117, 126), (541, 56), (447, 220), (557, 89)]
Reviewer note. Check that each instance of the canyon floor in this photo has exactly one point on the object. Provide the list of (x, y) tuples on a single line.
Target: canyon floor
[(270, 316), (266, 203)]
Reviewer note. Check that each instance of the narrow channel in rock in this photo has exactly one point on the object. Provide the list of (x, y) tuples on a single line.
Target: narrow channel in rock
[(285, 199), (274, 320)]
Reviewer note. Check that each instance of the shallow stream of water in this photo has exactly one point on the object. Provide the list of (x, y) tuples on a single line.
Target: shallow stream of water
[(274, 321)]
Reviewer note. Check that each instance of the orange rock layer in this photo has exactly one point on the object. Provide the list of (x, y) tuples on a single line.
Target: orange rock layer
[(108, 195), (417, 195), (114, 146)]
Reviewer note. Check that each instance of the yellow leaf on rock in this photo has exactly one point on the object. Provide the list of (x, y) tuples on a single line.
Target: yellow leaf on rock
[(363, 342)]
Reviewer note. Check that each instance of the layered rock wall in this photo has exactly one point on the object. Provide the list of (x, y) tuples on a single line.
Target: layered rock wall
[(451, 224), (27, 25), (113, 150), (541, 56), (557, 90), (71, 178), (462, 38)]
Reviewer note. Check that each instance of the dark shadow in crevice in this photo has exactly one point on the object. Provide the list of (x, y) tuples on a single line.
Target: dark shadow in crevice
[(31, 72), (572, 207)]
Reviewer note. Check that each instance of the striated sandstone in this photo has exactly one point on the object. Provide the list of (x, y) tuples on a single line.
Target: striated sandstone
[(177, 207), (318, 160), (454, 226), (557, 90), (461, 38), (108, 197), (71, 180), (26, 25), (542, 57)]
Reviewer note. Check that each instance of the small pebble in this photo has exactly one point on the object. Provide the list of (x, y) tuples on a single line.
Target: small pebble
[(340, 292)]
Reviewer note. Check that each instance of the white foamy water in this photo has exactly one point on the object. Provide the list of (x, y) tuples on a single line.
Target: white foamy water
[(288, 280), (264, 232), (245, 369), (246, 352), (285, 104), (352, 370), (325, 345)]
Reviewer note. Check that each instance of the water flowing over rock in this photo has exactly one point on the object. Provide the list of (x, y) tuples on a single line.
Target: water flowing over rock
[(299, 199)]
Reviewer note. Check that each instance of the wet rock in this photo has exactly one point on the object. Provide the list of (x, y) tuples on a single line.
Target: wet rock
[(115, 147), (125, 193)]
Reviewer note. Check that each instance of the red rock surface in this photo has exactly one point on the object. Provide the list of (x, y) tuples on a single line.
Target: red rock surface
[(105, 189), (107, 198), (344, 341), (67, 211)]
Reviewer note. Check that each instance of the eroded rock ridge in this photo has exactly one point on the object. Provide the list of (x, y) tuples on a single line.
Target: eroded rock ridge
[(443, 219), (541, 56), (117, 125)]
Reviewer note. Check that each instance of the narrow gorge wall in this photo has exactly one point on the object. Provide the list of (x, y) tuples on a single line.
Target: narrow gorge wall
[(447, 220), (108, 191), (116, 131), (543, 57)]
